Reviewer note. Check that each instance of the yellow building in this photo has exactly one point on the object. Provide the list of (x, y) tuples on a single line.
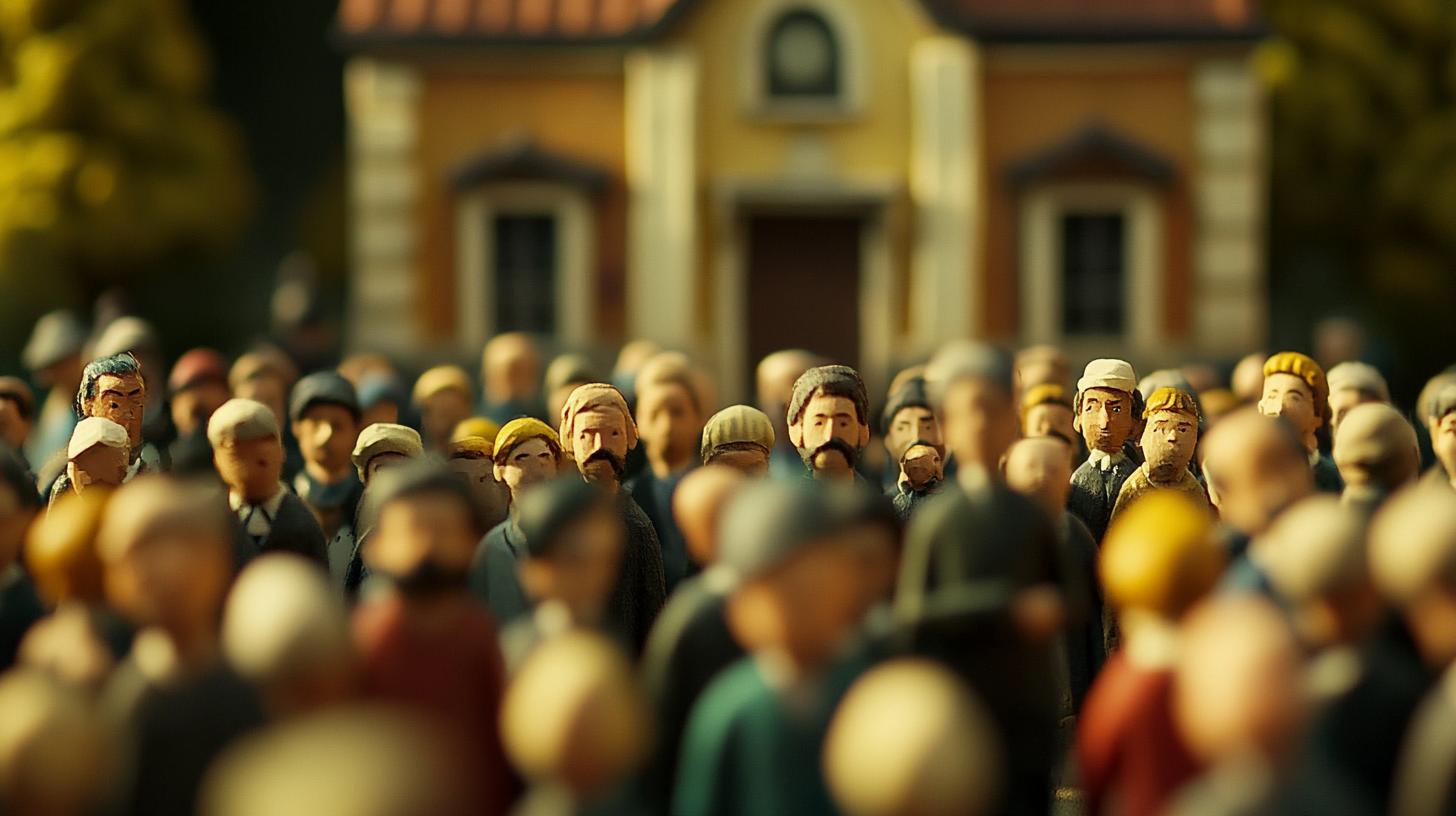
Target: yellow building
[(866, 178)]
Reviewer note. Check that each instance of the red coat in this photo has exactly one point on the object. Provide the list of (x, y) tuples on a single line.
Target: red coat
[(1131, 755)]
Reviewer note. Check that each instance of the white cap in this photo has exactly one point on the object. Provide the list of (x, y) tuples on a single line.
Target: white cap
[(93, 431), (1115, 374), (239, 420)]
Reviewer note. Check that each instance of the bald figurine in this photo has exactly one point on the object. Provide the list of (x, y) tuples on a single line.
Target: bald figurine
[(1255, 468), (510, 371), (909, 739), (690, 643), (1377, 453), (774, 386)]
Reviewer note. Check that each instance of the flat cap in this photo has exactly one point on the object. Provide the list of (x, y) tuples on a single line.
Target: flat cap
[(593, 396), (126, 333), (14, 388), (326, 387), (442, 378), (1358, 377), (766, 523), (56, 336), (911, 394), (1107, 373), (547, 510), (93, 431), (519, 430), (385, 437), (241, 420), (737, 424), (197, 366)]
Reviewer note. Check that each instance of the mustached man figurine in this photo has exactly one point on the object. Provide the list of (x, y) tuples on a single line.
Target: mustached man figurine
[(829, 421)]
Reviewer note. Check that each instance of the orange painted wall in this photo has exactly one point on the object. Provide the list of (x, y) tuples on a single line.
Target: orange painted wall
[(1029, 108), (465, 111)]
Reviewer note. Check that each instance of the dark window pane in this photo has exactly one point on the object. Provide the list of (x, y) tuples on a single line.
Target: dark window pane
[(1093, 274), (802, 56), (525, 273)]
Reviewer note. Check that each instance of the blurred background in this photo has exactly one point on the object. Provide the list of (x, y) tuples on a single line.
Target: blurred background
[(1166, 180)]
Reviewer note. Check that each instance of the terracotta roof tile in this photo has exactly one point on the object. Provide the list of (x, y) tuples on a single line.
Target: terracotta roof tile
[(503, 20), (1114, 19)]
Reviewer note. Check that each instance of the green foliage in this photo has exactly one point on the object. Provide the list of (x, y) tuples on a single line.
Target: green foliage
[(110, 160)]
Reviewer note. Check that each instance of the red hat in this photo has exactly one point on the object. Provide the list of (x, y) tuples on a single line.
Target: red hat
[(197, 366)]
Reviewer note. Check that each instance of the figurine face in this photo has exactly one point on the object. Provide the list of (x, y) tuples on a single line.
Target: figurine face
[(669, 423), (908, 425), (122, 400), (250, 468), (582, 571), (383, 461), (98, 464), (1288, 396), (1168, 442), (427, 534), (979, 423), (1049, 417), (529, 463), (599, 444), (1443, 442), (921, 466), (1342, 401), (805, 607), (827, 417), (1040, 469), (269, 390), (192, 406), (440, 413), (172, 580), (382, 411), (1106, 420), (326, 434), (14, 428), (750, 461)]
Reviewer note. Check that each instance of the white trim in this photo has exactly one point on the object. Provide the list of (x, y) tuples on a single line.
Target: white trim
[(474, 265), (1041, 281), (843, 20)]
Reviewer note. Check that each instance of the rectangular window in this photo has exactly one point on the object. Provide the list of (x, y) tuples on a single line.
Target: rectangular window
[(1093, 273), (525, 273)]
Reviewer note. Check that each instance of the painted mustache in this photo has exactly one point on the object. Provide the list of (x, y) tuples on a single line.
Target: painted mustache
[(617, 463)]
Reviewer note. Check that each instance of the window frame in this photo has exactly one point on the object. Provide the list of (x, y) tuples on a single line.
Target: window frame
[(760, 103)]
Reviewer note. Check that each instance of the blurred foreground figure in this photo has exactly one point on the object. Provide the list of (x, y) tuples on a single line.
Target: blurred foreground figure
[(1295, 390), (909, 739), (1255, 468), (575, 723), (672, 402), (510, 374), (1159, 558), (354, 761), (470, 460), (80, 641), (1377, 453), (57, 757), (19, 506), (739, 437), (423, 641)]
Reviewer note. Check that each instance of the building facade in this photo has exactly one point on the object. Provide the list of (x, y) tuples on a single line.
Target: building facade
[(866, 178)]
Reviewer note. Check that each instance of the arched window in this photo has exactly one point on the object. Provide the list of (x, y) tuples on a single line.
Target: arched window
[(803, 58)]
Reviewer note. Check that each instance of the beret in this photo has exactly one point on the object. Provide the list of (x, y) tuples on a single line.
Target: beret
[(197, 366), (912, 394), (56, 336), (240, 420), (737, 424), (549, 508), (15, 388), (93, 431), (442, 378), (1107, 373), (327, 387), (768, 522), (519, 430), (385, 437)]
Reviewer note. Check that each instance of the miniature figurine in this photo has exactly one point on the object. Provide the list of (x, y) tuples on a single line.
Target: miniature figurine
[(325, 419), (908, 418), (266, 375), (198, 386), (510, 372), (672, 401), (1170, 436), (1107, 406), (1255, 468), (909, 738), (774, 380), (476, 427), (17, 413), (754, 739), (1441, 417), (1159, 558), (527, 453), (1046, 410), (380, 398), (1295, 390), (1247, 380), (112, 387), (1353, 384), (99, 454), (922, 472), (565, 374), (248, 453), (381, 446), (132, 335), (598, 427), (573, 553), (427, 644), (52, 355), (442, 395), (1377, 453), (19, 506), (828, 418), (740, 437), (1041, 365), (470, 459)]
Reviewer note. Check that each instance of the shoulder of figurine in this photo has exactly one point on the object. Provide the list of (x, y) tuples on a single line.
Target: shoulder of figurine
[(733, 694)]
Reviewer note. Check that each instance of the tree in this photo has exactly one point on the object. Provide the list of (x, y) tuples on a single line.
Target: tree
[(110, 161)]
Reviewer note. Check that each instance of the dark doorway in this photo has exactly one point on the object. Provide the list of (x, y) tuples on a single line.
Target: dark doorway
[(803, 286)]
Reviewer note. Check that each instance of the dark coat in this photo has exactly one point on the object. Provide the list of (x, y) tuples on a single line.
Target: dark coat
[(20, 607), (641, 588), (295, 530), (1094, 493), (654, 496), (494, 579), (1327, 477)]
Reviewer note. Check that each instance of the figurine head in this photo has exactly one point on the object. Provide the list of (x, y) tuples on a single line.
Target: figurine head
[(1170, 434), (442, 395), (1442, 413), (1413, 562), (246, 449), (17, 411), (1041, 365), (970, 384), (382, 446), (198, 385), (697, 507), (1255, 467), (671, 402), (909, 417), (1316, 558), (563, 376), (1107, 405), (921, 465), (1046, 410), (98, 454), (740, 437), (426, 530), (380, 396), (1247, 380), (527, 452), (1376, 450), (510, 368), (112, 387), (325, 415), (1353, 384), (19, 504), (1295, 389), (476, 427), (60, 551), (1160, 556), (264, 375), (774, 383), (574, 540), (597, 426), (828, 402), (1040, 468)]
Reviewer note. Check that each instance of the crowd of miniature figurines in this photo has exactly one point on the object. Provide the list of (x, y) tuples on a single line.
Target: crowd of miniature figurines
[(1018, 588)]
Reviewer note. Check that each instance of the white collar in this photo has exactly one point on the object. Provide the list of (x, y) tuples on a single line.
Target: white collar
[(1106, 461), (270, 506)]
